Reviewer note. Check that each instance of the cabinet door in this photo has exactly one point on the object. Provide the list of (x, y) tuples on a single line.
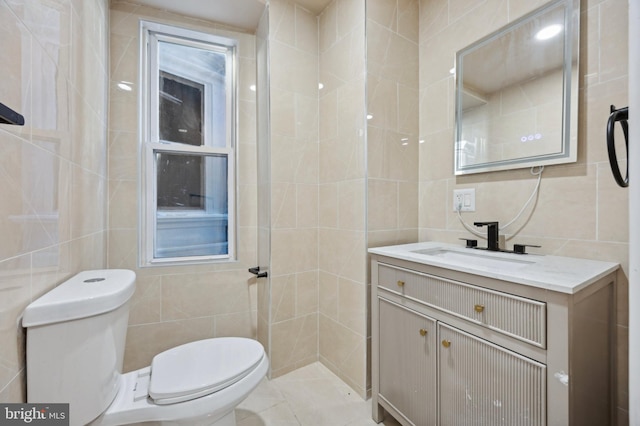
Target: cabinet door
[(485, 384), (408, 362)]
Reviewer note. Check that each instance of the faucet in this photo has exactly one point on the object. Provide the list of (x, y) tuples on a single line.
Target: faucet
[(492, 234)]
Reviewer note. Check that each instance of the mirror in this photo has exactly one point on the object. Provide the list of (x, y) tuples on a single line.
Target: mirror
[(517, 93)]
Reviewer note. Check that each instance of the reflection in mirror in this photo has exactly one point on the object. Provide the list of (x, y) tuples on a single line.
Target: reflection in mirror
[(517, 92)]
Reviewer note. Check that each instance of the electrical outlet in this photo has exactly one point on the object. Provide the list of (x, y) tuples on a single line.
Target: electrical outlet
[(464, 199)]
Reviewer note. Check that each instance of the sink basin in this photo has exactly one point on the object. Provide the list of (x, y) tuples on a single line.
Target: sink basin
[(475, 258)]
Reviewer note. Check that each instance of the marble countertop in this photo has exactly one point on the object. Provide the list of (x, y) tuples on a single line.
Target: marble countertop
[(556, 273)]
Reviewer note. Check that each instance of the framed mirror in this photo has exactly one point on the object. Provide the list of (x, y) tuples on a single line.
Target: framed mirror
[(517, 93)]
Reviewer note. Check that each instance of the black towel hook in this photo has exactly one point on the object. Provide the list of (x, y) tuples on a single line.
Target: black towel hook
[(621, 115)]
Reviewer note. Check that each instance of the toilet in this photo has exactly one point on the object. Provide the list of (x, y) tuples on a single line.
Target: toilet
[(75, 348)]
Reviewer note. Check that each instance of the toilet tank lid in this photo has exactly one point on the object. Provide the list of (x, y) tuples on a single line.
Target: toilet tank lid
[(86, 294)]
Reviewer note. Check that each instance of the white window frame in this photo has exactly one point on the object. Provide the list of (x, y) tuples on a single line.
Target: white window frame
[(150, 144)]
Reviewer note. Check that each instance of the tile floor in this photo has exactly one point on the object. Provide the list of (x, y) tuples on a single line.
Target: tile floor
[(309, 396)]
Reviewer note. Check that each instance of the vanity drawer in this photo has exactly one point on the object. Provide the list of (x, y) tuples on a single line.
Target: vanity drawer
[(518, 317)]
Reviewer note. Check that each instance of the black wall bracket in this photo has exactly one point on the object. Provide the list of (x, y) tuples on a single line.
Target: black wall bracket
[(9, 116), (256, 271)]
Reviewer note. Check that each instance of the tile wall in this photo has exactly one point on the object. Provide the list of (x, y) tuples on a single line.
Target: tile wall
[(392, 125), (53, 219), (293, 192), (580, 211), (175, 305), (342, 192)]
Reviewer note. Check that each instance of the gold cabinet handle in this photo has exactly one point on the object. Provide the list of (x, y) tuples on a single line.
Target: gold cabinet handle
[(423, 332), (446, 343), (479, 308), (400, 283)]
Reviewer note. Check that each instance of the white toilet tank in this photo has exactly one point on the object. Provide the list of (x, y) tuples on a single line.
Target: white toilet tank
[(75, 342)]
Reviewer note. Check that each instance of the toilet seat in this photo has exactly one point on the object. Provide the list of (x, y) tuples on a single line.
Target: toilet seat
[(200, 368)]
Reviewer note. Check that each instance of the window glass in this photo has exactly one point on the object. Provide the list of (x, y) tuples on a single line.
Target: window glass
[(181, 108), (198, 186)]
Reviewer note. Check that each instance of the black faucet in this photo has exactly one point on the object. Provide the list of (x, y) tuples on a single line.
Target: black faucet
[(492, 234)]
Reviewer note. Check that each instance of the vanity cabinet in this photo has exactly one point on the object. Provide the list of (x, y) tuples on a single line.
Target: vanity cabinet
[(408, 379), (450, 347), (480, 380)]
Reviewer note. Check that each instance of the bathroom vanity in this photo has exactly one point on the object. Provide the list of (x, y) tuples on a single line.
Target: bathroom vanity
[(471, 337)]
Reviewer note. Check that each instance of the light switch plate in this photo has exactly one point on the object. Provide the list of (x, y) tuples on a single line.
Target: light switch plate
[(464, 199)]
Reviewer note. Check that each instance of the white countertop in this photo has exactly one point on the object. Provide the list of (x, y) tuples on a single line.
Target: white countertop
[(562, 274)]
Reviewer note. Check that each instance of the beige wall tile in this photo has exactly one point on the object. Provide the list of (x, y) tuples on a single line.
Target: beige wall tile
[(350, 15), (340, 250), (307, 293), (351, 204), (283, 298), (382, 102), (438, 113), (282, 112), (306, 30), (391, 56), (434, 17), (328, 27), (123, 249), (613, 207), (599, 98), (283, 205), (307, 209), (294, 189), (146, 303), (436, 155), (328, 295), (328, 111), (342, 350), (293, 340), (204, 295), (239, 324), (293, 250), (328, 202), (121, 193), (56, 76), (352, 305), (293, 69), (408, 19), (122, 165), (382, 209), (408, 205), (281, 15), (147, 340), (123, 58), (613, 48), (384, 13), (392, 237), (341, 62)]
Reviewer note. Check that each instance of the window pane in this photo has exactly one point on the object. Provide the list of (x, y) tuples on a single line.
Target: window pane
[(181, 108), (179, 181), (194, 219), (192, 84)]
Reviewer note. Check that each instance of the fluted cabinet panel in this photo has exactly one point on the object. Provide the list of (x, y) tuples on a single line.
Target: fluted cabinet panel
[(408, 362), (482, 383), (518, 317)]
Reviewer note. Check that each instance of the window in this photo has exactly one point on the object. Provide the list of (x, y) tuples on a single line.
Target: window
[(188, 139)]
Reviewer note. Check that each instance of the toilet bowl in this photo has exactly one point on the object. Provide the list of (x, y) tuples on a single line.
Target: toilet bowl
[(75, 347)]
